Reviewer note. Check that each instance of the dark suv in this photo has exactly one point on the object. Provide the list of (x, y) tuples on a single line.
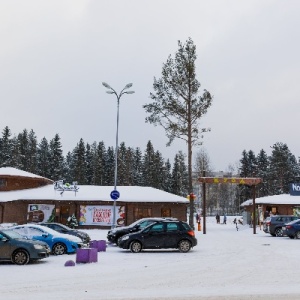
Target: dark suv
[(114, 234), (273, 225), (160, 235)]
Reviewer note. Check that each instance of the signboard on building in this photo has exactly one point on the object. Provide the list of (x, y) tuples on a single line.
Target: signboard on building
[(40, 213), (101, 215), (295, 189)]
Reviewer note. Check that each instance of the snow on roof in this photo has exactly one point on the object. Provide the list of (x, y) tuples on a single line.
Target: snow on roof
[(93, 193), (276, 199), (16, 172)]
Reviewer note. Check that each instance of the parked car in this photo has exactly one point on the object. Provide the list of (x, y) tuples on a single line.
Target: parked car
[(20, 251), (292, 229), (163, 234), (67, 230), (59, 243), (115, 234), (273, 224)]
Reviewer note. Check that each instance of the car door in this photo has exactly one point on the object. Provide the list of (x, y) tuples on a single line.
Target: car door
[(5, 247), (173, 234), (39, 235), (154, 236)]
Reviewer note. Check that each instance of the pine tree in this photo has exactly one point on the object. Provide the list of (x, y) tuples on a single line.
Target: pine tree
[(110, 167), (32, 152), (122, 168), (283, 168), (79, 163), (167, 177), (6, 147), (23, 142), (89, 164), (180, 176), (43, 158), (148, 168), (137, 168), (177, 106), (56, 159), (99, 161), (263, 173), (159, 168)]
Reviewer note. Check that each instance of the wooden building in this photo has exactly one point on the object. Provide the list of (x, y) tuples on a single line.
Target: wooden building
[(26, 197)]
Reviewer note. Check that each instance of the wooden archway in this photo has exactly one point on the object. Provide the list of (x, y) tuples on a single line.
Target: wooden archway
[(253, 182)]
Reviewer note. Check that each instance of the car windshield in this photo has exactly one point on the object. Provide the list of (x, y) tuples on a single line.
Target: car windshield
[(12, 234)]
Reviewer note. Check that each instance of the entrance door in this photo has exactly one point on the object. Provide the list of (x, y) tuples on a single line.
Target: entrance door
[(64, 213)]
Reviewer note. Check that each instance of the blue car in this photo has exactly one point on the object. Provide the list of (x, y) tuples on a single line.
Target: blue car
[(292, 229), (59, 243)]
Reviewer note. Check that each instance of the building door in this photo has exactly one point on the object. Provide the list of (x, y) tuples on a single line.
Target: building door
[(64, 213)]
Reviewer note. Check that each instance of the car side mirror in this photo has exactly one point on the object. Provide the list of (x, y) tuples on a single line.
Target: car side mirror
[(3, 238), (45, 234)]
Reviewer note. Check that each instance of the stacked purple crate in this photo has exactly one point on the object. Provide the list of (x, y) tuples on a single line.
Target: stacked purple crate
[(99, 245)]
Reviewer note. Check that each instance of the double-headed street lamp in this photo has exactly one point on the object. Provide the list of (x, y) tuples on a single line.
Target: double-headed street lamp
[(112, 91)]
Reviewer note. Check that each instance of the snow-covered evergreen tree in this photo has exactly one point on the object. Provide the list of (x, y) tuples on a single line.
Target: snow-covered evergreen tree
[(89, 164), (137, 168), (32, 152), (79, 163), (180, 176), (43, 158), (148, 169), (6, 146), (283, 168), (110, 167), (263, 173), (23, 142), (99, 161), (56, 159)]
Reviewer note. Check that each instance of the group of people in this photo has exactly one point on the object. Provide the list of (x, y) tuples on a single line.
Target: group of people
[(218, 219)]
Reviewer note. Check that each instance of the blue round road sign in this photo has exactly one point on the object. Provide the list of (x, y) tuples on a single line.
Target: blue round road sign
[(114, 195)]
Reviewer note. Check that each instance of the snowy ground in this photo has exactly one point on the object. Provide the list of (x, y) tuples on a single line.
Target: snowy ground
[(226, 264)]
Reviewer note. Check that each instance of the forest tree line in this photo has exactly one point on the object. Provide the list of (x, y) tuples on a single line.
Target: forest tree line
[(93, 164)]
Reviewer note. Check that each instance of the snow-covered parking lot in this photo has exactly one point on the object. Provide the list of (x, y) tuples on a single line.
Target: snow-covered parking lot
[(226, 264)]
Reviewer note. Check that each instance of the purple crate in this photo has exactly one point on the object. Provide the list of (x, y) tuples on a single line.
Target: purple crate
[(99, 245), (86, 255)]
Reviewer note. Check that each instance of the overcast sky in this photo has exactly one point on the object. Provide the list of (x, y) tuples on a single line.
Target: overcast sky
[(55, 54)]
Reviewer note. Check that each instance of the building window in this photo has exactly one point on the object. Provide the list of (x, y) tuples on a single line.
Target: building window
[(166, 212), (139, 213), (2, 183)]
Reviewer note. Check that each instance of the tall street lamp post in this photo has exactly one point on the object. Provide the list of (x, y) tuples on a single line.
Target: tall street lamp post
[(112, 91)]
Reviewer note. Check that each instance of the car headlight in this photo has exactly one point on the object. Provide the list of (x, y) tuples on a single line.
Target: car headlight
[(38, 247), (124, 238)]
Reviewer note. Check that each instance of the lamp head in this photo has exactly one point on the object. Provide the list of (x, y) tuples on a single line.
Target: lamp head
[(128, 85), (106, 85)]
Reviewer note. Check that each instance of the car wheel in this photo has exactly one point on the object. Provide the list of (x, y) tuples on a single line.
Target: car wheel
[(184, 246), (278, 232), (135, 247), (297, 235), (59, 249), (20, 257)]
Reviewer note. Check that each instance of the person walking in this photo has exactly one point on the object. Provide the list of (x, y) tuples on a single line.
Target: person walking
[(225, 219), (218, 218)]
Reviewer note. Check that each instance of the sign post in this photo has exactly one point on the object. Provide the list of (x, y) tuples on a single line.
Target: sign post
[(114, 195)]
